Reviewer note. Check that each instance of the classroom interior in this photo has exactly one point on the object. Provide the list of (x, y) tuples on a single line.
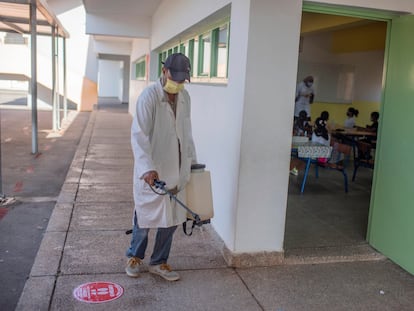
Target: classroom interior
[(346, 57)]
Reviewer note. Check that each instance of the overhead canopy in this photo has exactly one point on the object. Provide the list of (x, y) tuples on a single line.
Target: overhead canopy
[(15, 17)]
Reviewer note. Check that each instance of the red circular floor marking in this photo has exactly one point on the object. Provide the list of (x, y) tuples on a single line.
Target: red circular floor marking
[(98, 292)]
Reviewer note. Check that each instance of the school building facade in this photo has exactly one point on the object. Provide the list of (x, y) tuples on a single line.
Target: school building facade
[(245, 62)]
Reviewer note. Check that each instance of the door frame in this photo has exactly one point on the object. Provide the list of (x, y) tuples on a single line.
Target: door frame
[(370, 14)]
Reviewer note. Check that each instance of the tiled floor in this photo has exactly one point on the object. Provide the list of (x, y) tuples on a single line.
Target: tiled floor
[(324, 215)]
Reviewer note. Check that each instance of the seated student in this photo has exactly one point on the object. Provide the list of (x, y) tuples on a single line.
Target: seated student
[(374, 125), (351, 114), (301, 126), (320, 132), (370, 139)]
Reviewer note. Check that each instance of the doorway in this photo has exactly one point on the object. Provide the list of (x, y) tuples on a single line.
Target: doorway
[(345, 54), (110, 79), (114, 77)]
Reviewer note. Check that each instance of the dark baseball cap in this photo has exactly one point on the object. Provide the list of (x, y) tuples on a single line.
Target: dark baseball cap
[(179, 66)]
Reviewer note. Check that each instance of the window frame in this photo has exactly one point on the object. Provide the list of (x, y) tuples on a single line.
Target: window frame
[(194, 49), (141, 69)]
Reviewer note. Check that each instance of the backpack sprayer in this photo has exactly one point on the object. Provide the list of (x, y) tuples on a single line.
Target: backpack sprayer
[(159, 184), (199, 197)]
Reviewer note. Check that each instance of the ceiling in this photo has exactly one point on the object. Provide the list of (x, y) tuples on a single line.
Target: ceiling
[(145, 8), (15, 14), (15, 18), (128, 9), (311, 22)]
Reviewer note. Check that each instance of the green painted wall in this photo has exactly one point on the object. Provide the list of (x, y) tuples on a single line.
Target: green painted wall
[(391, 220)]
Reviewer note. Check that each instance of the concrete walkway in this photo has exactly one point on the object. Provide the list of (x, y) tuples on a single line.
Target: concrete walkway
[(85, 242)]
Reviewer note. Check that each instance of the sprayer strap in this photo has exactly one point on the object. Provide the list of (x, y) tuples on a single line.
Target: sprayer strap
[(185, 228), (173, 191)]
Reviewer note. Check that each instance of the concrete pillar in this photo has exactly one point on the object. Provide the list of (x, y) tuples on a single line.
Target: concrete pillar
[(33, 80), (272, 53)]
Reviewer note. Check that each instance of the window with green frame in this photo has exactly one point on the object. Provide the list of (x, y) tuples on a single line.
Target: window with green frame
[(140, 69), (221, 54), (204, 52), (208, 53)]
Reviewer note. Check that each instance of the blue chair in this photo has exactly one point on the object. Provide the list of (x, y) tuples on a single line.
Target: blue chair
[(338, 161)]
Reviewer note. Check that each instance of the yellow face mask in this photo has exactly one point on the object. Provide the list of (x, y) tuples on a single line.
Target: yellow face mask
[(173, 87)]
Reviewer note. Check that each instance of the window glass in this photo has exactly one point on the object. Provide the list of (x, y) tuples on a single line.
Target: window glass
[(222, 52), (14, 38), (140, 67), (206, 52), (195, 57), (183, 49)]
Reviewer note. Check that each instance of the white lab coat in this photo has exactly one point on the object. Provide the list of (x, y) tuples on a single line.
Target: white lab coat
[(155, 134), (303, 98)]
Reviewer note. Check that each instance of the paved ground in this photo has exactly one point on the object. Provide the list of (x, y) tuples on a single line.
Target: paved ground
[(35, 182), (85, 242)]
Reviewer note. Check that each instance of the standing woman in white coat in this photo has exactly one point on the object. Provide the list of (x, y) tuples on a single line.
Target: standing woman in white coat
[(163, 148), (304, 97)]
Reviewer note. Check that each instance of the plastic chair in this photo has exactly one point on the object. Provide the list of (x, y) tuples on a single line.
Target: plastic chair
[(363, 157)]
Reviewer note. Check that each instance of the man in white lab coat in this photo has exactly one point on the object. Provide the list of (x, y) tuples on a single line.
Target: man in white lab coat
[(163, 148)]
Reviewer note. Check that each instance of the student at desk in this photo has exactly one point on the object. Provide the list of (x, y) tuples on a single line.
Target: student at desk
[(351, 114), (320, 133), (372, 128), (301, 126), (374, 119)]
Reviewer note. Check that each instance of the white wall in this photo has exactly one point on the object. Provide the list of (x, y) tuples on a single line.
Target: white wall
[(16, 59), (368, 65), (216, 110), (242, 130), (119, 24), (110, 79), (140, 48), (273, 41), (117, 46), (220, 144), (369, 68), (249, 175), (81, 60), (12, 52), (184, 13)]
